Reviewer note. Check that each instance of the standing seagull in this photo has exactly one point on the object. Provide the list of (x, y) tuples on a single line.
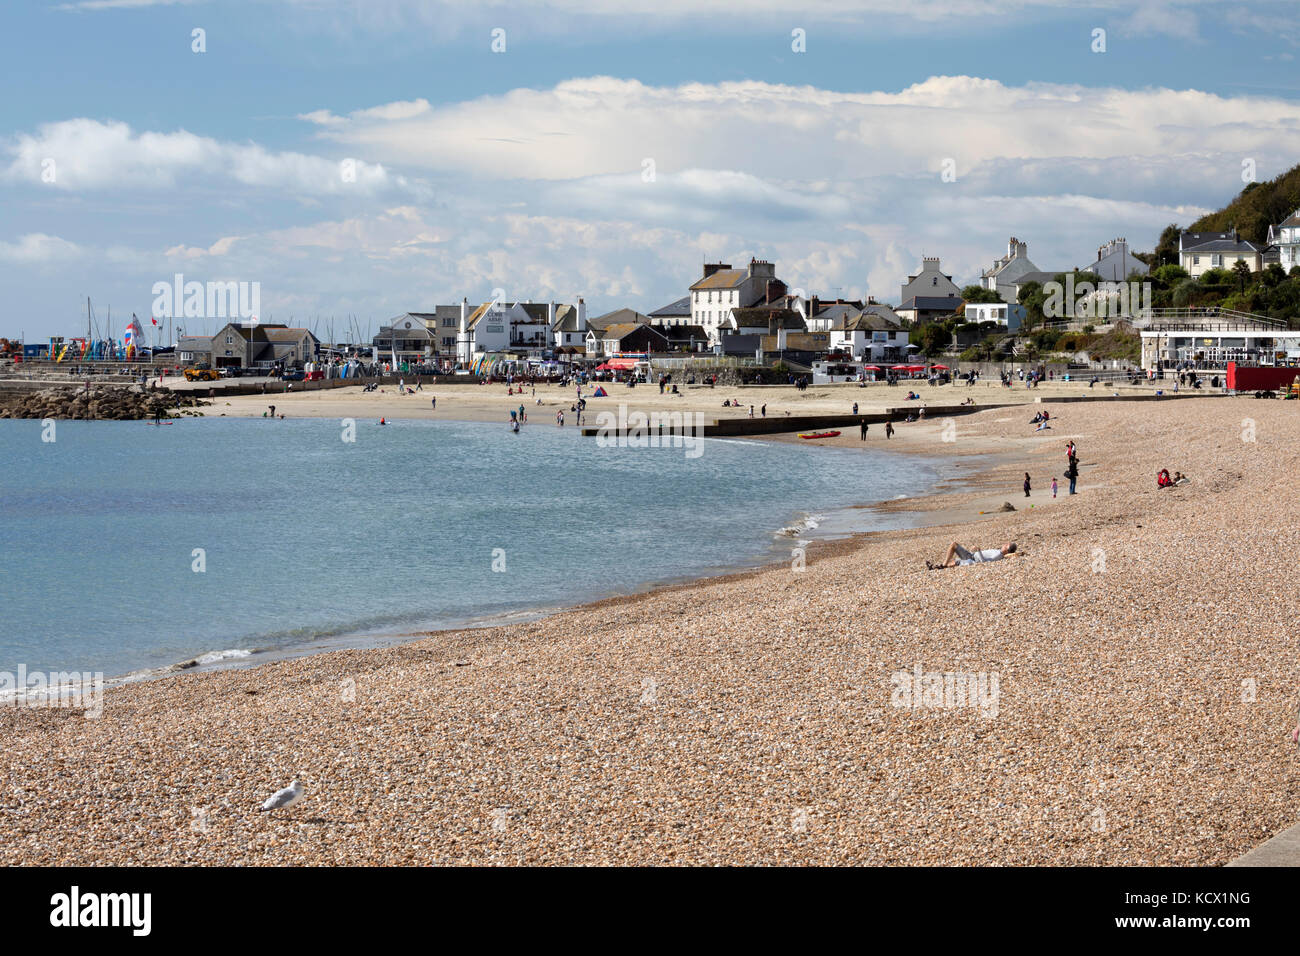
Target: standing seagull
[(283, 799)]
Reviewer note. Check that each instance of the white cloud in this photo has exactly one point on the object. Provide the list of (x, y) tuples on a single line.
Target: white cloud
[(602, 126), (89, 154), (36, 248)]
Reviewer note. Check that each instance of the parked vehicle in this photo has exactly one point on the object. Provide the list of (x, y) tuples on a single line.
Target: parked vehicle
[(202, 373), (293, 375)]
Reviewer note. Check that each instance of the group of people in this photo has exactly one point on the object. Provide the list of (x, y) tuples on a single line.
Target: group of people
[(1164, 481), (1071, 470)]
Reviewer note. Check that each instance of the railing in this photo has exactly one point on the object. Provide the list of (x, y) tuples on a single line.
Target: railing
[(1159, 320)]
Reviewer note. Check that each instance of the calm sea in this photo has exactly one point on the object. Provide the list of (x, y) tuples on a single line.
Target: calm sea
[(125, 546)]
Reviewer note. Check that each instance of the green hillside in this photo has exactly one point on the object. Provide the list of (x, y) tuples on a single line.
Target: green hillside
[(1255, 208)]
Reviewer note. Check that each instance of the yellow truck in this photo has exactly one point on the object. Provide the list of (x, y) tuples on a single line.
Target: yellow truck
[(201, 373)]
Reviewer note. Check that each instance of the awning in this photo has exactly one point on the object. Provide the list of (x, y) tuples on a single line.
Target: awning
[(871, 368), (621, 364)]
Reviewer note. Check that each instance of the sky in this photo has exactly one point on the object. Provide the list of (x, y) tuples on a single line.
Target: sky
[(364, 158)]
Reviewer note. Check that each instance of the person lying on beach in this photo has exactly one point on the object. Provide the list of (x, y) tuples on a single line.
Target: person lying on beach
[(1180, 478), (1162, 478), (959, 556)]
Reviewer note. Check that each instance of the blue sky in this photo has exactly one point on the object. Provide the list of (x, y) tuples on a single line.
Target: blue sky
[(526, 170)]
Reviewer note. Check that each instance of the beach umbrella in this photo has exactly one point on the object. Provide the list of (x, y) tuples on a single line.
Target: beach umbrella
[(871, 368), (944, 367), (900, 368)]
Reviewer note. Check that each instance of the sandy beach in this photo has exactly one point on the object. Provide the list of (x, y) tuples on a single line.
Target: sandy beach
[(1142, 644), (492, 403)]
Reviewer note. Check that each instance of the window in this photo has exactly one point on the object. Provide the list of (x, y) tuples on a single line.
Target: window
[(934, 281), (1216, 261), (1196, 260), (230, 341)]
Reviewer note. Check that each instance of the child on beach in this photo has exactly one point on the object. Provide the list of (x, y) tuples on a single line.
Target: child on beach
[(1053, 486), (1026, 484)]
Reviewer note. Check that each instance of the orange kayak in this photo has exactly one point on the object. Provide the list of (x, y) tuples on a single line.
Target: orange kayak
[(818, 434)]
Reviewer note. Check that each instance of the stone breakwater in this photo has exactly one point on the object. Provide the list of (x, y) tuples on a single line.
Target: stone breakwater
[(120, 403)]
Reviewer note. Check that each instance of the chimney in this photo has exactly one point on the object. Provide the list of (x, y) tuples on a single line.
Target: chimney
[(582, 315), (712, 267), (814, 307)]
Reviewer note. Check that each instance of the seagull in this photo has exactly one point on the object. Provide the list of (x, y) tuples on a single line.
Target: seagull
[(282, 799)]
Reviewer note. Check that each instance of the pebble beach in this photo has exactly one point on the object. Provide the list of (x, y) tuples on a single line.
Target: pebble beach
[(1143, 644)]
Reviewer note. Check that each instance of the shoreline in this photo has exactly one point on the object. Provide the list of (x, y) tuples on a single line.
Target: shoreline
[(688, 723), (814, 540)]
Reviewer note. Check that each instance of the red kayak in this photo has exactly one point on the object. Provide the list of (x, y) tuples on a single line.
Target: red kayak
[(818, 434)]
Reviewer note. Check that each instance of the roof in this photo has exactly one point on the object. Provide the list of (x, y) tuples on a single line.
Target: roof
[(1222, 245), (619, 330), (864, 322), (763, 318), (1039, 277), (566, 319), (930, 303), (618, 316), (537, 311), (722, 279), (1188, 239), (681, 306), (674, 333)]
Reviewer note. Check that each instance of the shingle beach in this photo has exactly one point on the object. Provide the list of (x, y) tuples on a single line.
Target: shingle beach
[(1144, 648)]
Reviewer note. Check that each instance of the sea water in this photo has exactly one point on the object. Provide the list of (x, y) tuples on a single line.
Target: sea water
[(127, 546)]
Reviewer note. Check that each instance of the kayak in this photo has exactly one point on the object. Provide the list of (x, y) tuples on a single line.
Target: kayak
[(818, 434)]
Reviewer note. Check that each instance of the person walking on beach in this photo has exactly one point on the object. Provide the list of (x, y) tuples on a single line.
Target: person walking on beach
[(763, 411), (1072, 472), (1069, 449), (435, 401), (889, 429), (1026, 484), (855, 408), (863, 435), (1053, 486)]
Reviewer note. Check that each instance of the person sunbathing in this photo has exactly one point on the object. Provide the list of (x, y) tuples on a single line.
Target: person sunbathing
[(960, 556)]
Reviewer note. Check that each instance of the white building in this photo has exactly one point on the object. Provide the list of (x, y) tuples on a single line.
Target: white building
[(1213, 341), (498, 326), (1008, 314), (1003, 275), (1115, 263), (1286, 236), (869, 336), (723, 288), (1199, 252)]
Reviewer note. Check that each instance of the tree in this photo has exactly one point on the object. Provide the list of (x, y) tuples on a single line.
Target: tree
[(1243, 271), (1167, 247), (1169, 275), (977, 293), (930, 337)]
